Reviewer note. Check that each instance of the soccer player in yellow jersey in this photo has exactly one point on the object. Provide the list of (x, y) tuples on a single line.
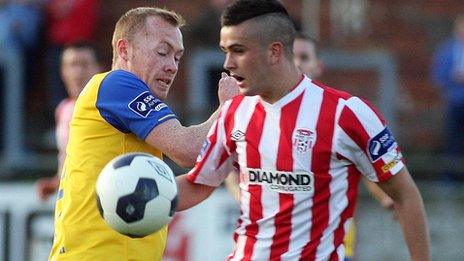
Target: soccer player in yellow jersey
[(123, 111)]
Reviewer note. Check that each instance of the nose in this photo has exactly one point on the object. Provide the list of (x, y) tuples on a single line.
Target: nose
[(172, 66), (228, 63)]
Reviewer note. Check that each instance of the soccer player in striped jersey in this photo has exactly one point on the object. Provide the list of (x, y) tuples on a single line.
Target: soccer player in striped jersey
[(306, 58), (300, 147)]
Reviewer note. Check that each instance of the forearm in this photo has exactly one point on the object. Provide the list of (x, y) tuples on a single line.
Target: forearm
[(190, 194), (411, 215), (181, 144), (410, 211), (192, 140)]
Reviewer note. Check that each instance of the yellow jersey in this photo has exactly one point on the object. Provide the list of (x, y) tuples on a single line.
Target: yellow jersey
[(113, 115), (350, 241)]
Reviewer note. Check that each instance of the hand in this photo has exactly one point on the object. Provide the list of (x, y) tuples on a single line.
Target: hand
[(227, 88), (47, 186), (388, 204)]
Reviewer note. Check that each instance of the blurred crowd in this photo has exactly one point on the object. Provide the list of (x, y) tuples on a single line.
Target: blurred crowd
[(35, 32)]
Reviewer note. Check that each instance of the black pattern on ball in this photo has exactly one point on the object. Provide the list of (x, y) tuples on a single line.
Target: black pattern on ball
[(173, 206), (126, 160), (99, 206), (131, 208)]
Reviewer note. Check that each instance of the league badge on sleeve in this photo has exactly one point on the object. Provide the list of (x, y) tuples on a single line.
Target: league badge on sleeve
[(380, 144), (143, 104)]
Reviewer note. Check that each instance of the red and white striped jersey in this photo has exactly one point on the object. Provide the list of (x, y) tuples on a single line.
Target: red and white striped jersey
[(299, 161)]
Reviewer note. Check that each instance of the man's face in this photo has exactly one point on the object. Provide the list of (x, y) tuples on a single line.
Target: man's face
[(78, 65), (154, 55), (245, 59), (305, 58)]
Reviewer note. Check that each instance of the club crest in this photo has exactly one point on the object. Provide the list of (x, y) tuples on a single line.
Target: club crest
[(303, 140)]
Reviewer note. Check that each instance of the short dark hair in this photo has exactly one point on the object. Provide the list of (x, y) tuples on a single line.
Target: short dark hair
[(87, 46), (242, 10), (273, 20)]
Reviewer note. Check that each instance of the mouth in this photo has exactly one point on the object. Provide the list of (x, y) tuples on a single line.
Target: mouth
[(165, 82), (239, 79)]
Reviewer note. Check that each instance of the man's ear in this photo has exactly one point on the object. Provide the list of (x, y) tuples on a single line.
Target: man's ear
[(122, 48), (276, 51)]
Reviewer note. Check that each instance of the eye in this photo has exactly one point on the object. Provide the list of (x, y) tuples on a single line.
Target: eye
[(238, 50), (162, 53), (304, 57)]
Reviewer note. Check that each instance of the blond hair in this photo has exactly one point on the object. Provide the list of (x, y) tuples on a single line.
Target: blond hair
[(134, 20)]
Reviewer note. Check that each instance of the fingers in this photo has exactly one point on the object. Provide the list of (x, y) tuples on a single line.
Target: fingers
[(228, 88)]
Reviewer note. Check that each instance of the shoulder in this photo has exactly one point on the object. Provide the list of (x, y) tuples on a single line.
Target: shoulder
[(122, 77), (363, 110), (331, 92), (350, 105), (123, 84)]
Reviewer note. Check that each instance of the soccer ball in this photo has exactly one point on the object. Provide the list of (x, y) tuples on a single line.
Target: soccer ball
[(136, 194)]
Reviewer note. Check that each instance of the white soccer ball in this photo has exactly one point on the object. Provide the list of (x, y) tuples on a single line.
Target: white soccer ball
[(136, 194)]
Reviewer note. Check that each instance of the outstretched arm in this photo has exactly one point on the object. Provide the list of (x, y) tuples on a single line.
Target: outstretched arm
[(182, 144), (411, 214), (191, 194)]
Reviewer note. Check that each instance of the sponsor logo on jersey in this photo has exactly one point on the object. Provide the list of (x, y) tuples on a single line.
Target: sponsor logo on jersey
[(143, 104), (281, 181), (237, 135), (203, 149), (392, 163), (160, 106), (380, 144), (303, 140)]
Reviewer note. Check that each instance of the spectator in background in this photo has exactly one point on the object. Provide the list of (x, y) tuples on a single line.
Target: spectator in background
[(21, 22), (67, 22), (79, 62), (448, 74)]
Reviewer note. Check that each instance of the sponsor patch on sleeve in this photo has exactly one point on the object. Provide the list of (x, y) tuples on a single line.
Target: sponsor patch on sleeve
[(203, 150), (392, 163), (143, 104), (380, 144)]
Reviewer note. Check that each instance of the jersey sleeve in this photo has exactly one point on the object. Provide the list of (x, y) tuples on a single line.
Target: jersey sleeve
[(215, 160), (126, 103), (366, 141)]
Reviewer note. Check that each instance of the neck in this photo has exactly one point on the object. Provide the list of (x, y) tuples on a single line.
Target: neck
[(283, 82)]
